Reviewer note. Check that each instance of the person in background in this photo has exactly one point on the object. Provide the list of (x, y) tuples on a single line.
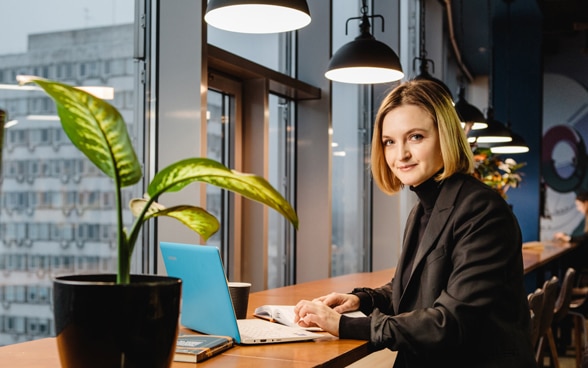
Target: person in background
[(457, 298), (582, 207), (579, 261)]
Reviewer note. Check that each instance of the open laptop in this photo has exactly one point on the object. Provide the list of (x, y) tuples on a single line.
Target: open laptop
[(206, 300)]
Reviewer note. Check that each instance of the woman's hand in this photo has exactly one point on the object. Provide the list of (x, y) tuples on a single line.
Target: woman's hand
[(341, 303), (562, 237), (324, 312)]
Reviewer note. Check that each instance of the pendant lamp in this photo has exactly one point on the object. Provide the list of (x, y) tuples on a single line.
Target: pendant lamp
[(424, 74), (424, 67), (471, 117), (516, 145), (495, 132), (365, 60), (257, 16)]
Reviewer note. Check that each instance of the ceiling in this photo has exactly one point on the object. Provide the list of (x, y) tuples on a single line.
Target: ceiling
[(472, 19)]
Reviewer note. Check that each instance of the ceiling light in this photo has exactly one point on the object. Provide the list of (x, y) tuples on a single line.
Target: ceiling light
[(257, 16), (43, 117), (365, 60), (516, 145), (469, 114), (103, 92), (10, 123), (424, 67), (495, 132), (424, 74)]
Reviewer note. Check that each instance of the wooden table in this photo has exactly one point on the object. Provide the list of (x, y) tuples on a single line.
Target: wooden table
[(539, 254), (542, 260), (325, 352)]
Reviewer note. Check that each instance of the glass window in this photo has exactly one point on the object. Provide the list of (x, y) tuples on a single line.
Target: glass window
[(264, 52), (45, 180), (282, 145), (220, 121), (351, 134)]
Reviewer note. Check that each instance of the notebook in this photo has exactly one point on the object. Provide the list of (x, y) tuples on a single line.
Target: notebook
[(206, 301)]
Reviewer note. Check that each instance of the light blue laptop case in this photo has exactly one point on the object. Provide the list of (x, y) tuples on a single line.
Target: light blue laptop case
[(206, 300)]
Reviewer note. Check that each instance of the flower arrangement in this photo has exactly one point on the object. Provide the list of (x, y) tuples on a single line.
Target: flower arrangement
[(499, 174)]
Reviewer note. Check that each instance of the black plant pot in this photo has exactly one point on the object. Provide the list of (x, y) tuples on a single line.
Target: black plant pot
[(101, 324)]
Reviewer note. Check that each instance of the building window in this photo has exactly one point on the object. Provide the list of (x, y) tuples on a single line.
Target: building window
[(42, 171)]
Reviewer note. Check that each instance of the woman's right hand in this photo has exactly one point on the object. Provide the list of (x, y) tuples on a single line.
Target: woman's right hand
[(340, 303)]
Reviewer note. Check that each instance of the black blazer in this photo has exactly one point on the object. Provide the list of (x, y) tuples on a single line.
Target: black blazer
[(465, 304)]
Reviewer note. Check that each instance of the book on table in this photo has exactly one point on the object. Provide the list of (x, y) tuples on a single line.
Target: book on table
[(284, 314), (197, 348)]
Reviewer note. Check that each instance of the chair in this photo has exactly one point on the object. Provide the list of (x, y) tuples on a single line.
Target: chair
[(536, 308), (562, 308), (546, 339), (578, 311), (562, 303)]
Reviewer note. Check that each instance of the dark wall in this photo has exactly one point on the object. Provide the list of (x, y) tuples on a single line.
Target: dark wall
[(516, 87)]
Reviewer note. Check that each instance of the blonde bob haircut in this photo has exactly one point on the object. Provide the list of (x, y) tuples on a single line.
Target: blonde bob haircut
[(429, 96)]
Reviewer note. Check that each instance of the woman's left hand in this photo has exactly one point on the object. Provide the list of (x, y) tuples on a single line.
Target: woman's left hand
[(315, 313)]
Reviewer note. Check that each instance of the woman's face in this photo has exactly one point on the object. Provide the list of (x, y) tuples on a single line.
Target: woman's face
[(411, 144)]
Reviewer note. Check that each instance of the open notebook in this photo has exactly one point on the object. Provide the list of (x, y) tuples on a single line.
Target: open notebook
[(206, 300)]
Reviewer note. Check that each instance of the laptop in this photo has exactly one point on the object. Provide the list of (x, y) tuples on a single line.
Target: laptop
[(206, 300)]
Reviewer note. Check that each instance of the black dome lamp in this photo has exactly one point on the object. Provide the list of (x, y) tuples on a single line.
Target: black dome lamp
[(471, 117), (364, 60), (495, 132), (257, 16), (424, 74), (424, 67), (516, 145)]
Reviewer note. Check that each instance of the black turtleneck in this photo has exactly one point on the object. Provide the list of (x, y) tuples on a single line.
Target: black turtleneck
[(427, 192), (359, 328)]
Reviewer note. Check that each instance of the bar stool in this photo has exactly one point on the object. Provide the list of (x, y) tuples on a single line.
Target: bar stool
[(550, 290), (562, 306), (578, 310), (535, 300)]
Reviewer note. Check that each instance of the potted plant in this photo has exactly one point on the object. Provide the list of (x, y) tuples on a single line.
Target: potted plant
[(495, 172), (126, 320)]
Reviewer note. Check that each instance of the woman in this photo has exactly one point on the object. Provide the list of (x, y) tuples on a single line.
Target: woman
[(458, 298), (582, 207), (578, 262)]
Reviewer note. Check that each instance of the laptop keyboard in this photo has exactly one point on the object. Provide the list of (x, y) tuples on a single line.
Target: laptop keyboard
[(260, 329)]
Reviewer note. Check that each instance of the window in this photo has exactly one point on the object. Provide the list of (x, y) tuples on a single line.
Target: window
[(46, 183), (220, 131), (282, 146)]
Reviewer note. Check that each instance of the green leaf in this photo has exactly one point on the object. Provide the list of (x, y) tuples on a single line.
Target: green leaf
[(176, 176), (195, 218), (96, 128)]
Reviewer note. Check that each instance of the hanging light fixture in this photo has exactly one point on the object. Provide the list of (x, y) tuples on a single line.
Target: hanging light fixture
[(495, 132), (424, 67), (516, 144), (365, 60), (471, 117), (257, 16)]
